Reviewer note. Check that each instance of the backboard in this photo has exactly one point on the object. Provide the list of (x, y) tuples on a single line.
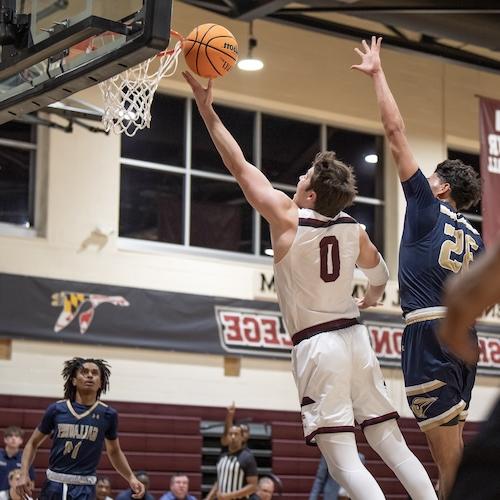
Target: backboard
[(51, 49)]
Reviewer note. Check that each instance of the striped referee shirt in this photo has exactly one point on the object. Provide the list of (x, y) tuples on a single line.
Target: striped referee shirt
[(233, 469)]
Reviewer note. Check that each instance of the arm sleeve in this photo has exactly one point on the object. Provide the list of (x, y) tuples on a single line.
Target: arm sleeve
[(47, 424), (112, 430), (422, 209), (249, 465)]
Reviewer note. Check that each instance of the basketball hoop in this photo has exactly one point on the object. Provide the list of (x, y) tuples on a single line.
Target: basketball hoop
[(128, 96)]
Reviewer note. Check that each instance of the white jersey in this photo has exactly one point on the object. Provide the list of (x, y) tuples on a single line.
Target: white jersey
[(314, 279)]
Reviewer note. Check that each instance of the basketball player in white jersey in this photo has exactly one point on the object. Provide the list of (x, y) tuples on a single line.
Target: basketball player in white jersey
[(316, 248)]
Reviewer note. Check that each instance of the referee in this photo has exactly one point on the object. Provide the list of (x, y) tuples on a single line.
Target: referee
[(236, 470)]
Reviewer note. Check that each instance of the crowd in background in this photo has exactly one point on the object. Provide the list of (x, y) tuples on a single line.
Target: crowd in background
[(237, 473)]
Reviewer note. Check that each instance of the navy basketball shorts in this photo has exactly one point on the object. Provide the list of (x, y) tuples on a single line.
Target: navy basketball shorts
[(53, 490), (438, 385)]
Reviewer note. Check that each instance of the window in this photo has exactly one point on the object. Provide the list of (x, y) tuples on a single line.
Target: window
[(364, 153), (17, 173), (176, 189), (288, 146), (473, 214)]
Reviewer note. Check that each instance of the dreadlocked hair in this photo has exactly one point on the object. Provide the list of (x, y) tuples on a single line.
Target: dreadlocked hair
[(334, 183), (464, 182), (71, 368)]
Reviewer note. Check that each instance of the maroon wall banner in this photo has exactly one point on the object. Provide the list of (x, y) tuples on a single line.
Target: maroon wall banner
[(489, 126), (90, 313)]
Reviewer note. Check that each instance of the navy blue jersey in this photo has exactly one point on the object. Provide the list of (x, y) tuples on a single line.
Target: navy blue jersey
[(437, 241), (78, 433)]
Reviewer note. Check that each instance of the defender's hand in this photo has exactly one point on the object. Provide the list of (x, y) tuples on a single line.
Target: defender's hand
[(370, 58), (203, 96)]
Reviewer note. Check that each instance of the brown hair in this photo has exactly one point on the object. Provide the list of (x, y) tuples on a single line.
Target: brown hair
[(13, 430), (465, 183), (334, 184)]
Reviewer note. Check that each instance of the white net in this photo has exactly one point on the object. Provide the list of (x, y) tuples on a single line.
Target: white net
[(129, 95)]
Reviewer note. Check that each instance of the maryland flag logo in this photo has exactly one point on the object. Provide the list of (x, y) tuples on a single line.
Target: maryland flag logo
[(82, 305)]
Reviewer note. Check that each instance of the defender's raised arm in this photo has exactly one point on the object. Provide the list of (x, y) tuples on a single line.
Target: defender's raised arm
[(391, 117)]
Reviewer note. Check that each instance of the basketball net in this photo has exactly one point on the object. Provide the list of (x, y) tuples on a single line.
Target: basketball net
[(128, 96)]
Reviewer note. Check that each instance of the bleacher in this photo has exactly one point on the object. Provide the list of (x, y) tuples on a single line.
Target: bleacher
[(163, 439)]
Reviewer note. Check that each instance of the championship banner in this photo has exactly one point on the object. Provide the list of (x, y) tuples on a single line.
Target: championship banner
[(54, 310), (489, 120)]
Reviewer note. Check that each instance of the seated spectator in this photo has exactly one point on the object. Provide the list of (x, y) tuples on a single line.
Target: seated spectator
[(236, 470), (265, 489), (127, 494), (103, 489), (10, 456), (11, 494), (179, 487)]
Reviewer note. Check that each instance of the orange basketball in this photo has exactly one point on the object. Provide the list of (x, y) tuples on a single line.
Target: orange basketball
[(210, 50)]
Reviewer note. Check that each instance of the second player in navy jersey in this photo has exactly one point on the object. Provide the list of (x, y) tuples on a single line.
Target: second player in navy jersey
[(437, 241), (80, 426)]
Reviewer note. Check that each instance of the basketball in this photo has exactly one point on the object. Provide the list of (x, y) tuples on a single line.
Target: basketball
[(210, 50)]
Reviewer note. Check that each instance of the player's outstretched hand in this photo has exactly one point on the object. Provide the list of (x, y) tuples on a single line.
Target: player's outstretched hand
[(370, 57), (24, 487), (137, 487), (203, 96)]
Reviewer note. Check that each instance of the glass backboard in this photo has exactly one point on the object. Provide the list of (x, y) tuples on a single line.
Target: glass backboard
[(59, 47)]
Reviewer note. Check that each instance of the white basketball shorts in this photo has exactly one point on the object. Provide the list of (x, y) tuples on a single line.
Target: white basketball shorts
[(339, 382)]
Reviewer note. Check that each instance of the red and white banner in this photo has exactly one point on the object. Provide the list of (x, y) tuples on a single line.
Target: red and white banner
[(489, 126), (263, 333)]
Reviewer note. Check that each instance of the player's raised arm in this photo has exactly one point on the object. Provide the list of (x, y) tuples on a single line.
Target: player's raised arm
[(391, 117), (272, 204)]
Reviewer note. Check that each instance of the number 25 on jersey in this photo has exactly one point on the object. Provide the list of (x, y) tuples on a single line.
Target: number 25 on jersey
[(460, 244)]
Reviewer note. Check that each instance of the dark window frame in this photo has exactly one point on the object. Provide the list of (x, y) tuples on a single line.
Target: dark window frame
[(190, 173), (21, 137)]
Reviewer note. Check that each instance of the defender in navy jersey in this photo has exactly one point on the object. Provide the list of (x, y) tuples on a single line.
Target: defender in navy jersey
[(437, 241), (79, 426)]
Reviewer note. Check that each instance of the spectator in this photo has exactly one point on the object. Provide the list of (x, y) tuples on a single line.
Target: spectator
[(144, 479), (11, 493), (236, 470), (179, 487), (103, 489), (10, 456), (265, 489), (325, 484)]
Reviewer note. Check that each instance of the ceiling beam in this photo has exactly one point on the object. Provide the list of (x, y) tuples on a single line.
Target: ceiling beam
[(426, 47), (247, 10), (212, 6), (349, 9)]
